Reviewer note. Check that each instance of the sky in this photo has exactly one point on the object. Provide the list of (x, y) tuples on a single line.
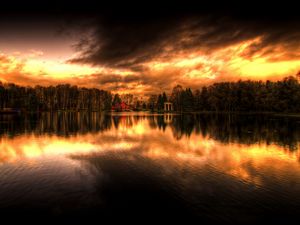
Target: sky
[(150, 48)]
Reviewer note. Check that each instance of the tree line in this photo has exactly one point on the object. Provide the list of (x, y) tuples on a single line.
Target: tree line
[(60, 97), (240, 96)]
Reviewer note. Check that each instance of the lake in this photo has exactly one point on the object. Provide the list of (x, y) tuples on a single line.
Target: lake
[(140, 167)]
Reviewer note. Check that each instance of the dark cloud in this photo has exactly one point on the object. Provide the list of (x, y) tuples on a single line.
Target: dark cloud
[(128, 34), (127, 40)]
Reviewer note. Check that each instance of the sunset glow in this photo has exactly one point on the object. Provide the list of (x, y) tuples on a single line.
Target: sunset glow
[(198, 68), (179, 59)]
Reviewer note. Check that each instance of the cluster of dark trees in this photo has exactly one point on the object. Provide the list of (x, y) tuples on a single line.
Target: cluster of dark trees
[(241, 96), (60, 97)]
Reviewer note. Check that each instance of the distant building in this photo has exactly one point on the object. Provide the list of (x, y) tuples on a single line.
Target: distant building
[(168, 106)]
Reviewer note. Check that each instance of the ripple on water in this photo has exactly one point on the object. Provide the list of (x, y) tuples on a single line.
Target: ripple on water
[(137, 164)]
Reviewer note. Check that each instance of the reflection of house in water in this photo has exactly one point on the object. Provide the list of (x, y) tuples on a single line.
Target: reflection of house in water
[(168, 106), (168, 117)]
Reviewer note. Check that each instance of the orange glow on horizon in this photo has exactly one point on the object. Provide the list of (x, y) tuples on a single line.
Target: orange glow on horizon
[(194, 69)]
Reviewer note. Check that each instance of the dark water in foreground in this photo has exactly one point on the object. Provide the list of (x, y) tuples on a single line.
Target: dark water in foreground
[(239, 169)]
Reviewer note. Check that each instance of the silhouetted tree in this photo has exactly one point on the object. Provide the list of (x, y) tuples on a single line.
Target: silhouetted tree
[(176, 98), (152, 102), (160, 102), (117, 99)]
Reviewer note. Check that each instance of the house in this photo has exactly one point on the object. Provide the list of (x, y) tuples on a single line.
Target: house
[(121, 107)]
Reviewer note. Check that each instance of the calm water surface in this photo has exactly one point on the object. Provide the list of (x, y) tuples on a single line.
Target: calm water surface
[(72, 167)]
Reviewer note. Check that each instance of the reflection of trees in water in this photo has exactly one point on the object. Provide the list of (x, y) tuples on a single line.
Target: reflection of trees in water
[(63, 123), (182, 125), (245, 128), (126, 121), (152, 122), (239, 128), (161, 123), (116, 120)]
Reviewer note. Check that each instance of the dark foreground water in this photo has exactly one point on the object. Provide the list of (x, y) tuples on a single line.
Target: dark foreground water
[(78, 168)]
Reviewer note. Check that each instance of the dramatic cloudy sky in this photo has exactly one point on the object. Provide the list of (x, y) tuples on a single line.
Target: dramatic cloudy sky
[(148, 48)]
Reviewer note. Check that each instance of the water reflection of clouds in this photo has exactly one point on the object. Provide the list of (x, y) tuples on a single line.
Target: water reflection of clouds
[(248, 162)]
